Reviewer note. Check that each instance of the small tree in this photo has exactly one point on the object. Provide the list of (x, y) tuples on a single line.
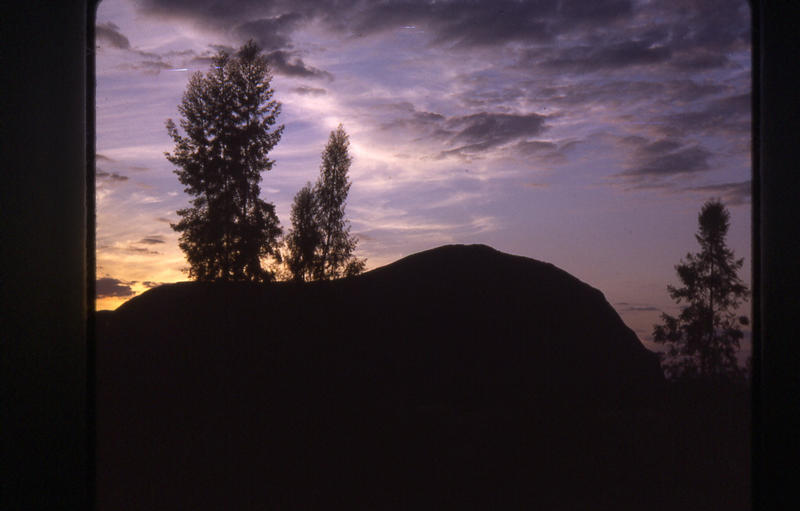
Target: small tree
[(335, 256), (304, 238), (703, 340), (229, 121)]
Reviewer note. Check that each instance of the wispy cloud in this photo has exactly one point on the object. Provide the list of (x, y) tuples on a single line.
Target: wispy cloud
[(110, 176), (635, 307), (152, 240), (732, 194), (109, 33), (290, 64), (536, 186), (618, 55), (110, 287), (312, 91), (666, 158), (729, 114)]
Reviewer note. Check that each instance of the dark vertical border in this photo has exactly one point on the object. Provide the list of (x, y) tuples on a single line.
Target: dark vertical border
[(91, 263), (755, 250), (43, 275), (777, 385)]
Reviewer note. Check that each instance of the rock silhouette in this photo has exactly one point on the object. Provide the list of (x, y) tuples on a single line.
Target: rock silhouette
[(456, 376)]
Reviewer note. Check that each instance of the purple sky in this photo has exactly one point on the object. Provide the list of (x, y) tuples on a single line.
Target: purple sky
[(586, 133)]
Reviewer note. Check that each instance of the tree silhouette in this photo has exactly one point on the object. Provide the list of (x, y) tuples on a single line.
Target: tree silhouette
[(305, 237), (335, 256), (702, 341), (229, 120)]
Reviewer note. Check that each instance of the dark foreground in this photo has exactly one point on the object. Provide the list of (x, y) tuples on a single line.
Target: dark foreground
[(457, 377)]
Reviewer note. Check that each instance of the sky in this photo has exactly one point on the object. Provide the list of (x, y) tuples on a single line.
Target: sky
[(584, 133)]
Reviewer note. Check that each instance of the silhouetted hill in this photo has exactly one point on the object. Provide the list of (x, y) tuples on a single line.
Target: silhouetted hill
[(456, 375)]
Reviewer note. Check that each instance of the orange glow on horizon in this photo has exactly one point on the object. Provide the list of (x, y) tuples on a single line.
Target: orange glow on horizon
[(110, 303)]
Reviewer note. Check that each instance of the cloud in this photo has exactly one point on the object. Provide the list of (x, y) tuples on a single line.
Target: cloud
[(109, 33), (309, 91), (404, 115), (206, 58), (285, 63), (152, 240), (705, 26), (283, 60), (150, 284), (546, 152), (140, 250), (483, 24), (631, 307), (602, 33), (699, 60), (108, 287), (618, 55), (529, 147), (483, 98), (463, 24), (270, 25), (180, 53), (730, 114), (151, 67), (464, 136), (204, 11), (687, 36), (477, 23), (272, 33), (482, 131), (664, 158), (101, 157), (690, 90), (152, 64), (682, 161), (110, 176), (450, 23), (415, 229), (129, 248), (588, 13), (733, 194), (364, 237), (495, 129), (548, 37), (626, 93)]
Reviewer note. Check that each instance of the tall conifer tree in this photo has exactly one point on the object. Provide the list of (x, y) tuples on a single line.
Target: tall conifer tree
[(229, 120), (304, 238), (704, 339), (337, 245)]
